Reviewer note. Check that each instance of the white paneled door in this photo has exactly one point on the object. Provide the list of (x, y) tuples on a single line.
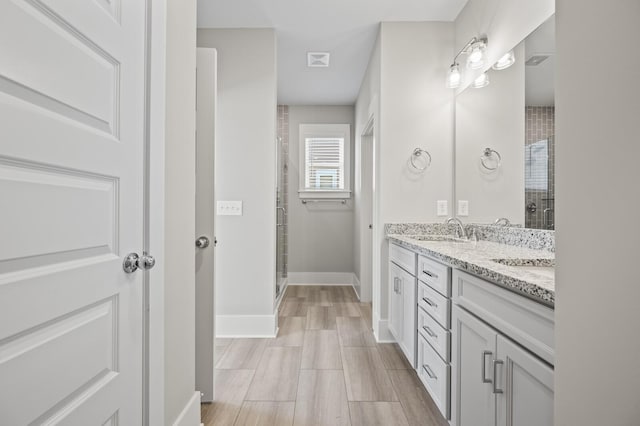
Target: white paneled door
[(72, 83)]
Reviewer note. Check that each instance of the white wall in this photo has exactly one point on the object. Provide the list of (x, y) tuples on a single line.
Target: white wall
[(415, 110), (597, 378), (320, 234), (493, 117), (245, 170), (504, 23), (179, 203)]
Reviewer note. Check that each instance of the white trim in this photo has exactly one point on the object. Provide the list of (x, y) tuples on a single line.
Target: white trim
[(324, 194), (285, 284), (232, 326), (157, 112), (381, 330), (355, 283), (320, 278), (190, 414), (325, 130)]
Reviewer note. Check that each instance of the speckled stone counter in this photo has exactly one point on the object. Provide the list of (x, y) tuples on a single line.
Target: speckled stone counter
[(521, 269)]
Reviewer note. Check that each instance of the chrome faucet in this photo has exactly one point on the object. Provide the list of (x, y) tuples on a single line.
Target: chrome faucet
[(502, 221), (458, 222)]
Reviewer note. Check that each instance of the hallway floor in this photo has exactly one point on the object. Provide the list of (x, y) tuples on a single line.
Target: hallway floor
[(324, 368)]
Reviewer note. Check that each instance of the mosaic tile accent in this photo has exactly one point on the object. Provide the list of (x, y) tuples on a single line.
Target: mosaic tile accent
[(540, 125), (283, 185)]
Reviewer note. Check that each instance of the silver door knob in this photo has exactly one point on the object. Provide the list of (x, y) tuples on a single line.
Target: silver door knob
[(202, 242), (133, 262)]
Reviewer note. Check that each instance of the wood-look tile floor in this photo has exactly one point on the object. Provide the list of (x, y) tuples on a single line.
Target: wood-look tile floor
[(324, 368)]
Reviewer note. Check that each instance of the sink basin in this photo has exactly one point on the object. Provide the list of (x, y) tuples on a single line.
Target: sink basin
[(444, 238), (545, 267)]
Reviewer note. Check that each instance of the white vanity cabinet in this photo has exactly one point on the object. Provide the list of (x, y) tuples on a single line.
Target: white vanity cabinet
[(499, 339), (402, 299)]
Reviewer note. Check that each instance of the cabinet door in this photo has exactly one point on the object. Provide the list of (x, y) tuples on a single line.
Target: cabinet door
[(473, 349), (527, 387), (395, 302), (409, 323)]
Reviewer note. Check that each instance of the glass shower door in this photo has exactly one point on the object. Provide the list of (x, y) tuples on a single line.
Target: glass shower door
[(281, 218)]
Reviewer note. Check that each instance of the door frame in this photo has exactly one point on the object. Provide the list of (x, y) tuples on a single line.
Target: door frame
[(155, 57), (366, 212)]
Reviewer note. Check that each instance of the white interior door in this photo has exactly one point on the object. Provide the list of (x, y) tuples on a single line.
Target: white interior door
[(71, 206), (366, 219), (205, 214)]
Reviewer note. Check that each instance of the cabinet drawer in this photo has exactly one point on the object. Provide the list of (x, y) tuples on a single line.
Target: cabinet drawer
[(436, 376), (404, 258), (434, 304), (437, 275), (529, 323), (435, 334)]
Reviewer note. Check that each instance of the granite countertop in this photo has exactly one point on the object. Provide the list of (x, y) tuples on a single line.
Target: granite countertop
[(523, 270)]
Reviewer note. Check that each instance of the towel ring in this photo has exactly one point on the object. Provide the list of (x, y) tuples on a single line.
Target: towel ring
[(488, 154), (417, 153)]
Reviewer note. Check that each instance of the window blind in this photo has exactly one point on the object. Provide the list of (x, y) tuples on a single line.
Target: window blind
[(324, 164)]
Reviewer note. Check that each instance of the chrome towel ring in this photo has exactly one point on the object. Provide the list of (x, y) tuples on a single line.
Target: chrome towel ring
[(489, 154), (418, 152)]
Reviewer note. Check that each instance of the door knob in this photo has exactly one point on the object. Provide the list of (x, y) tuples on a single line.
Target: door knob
[(202, 242), (132, 262)]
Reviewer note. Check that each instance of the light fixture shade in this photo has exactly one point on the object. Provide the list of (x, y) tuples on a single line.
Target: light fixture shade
[(453, 77), (475, 58), (505, 61), (481, 81)]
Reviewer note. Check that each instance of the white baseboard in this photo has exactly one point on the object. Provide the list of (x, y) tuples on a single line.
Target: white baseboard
[(246, 326), (381, 330), (190, 414), (355, 283), (320, 278)]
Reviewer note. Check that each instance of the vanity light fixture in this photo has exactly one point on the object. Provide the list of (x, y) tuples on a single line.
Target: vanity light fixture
[(505, 61), (475, 60), (481, 81), (475, 50), (453, 77)]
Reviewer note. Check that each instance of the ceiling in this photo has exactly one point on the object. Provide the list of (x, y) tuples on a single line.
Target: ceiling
[(345, 28), (539, 79)]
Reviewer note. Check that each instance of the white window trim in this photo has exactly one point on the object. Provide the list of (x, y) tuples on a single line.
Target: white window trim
[(325, 130)]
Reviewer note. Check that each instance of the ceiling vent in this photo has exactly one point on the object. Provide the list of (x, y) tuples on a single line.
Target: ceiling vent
[(317, 59), (536, 59)]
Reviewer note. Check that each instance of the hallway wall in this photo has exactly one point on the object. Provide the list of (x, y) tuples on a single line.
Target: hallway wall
[(245, 170), (320, 234)]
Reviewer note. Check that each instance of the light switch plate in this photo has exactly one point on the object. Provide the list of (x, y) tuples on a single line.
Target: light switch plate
[(443, 209), (463, 208), (229, 208)]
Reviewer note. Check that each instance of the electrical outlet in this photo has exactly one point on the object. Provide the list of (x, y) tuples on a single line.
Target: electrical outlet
[(443, 209), (463, 208), (229, 208)]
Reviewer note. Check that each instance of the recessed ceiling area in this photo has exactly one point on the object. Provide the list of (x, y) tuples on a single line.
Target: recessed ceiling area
[(347, 29)]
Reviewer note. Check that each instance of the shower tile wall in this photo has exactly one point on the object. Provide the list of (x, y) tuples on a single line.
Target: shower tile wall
[(283, 134), (540, 125)]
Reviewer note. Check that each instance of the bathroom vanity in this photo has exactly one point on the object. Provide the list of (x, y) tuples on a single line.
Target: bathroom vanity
[(476, 321)]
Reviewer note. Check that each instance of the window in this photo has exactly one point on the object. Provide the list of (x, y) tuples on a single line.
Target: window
[(325, 161)]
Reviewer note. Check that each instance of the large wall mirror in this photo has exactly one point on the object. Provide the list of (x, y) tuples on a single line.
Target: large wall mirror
[(505, 139)]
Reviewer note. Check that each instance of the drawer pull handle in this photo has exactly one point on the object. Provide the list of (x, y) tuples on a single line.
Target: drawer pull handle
[(484, 366), (431, 274), (429, 331), (429, 372), (430, 302), (496, 362)]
